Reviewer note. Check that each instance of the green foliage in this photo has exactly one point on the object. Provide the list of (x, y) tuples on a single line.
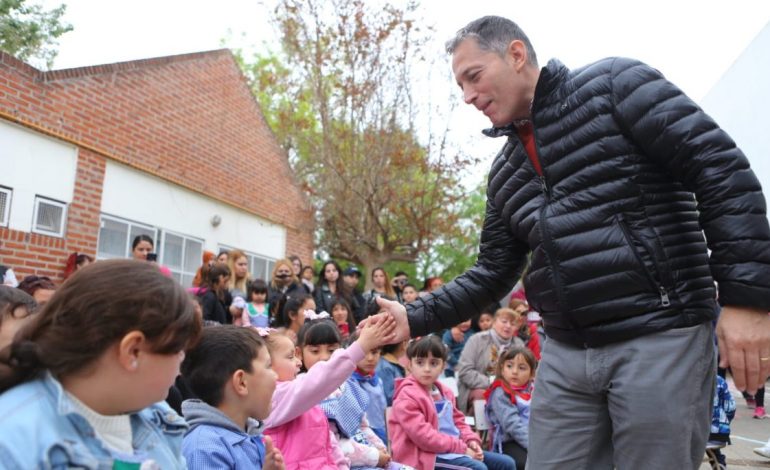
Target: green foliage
[(338, 97), (29, 32)]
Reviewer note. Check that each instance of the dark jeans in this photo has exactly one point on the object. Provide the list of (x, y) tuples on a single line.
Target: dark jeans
[(517, 452), (492, 461)]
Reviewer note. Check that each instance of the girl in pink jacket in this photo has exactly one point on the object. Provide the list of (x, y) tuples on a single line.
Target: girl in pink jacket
[(297, 425), (427, 430)]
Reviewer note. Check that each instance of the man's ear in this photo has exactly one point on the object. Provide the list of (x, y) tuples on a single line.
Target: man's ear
[(517, 54), (129, 350)]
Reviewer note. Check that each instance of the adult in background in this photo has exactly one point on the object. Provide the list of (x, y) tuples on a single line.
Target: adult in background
[(76, 261), (607, 182), (478, 359), (330, 287), (400, 279), (351, 277), (143, 249), (381, 286), (307, 277), (282, 282), (207, 260), (41, 288), (240, 277)]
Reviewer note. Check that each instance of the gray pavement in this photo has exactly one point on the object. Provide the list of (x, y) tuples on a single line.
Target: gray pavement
[(746, 433)]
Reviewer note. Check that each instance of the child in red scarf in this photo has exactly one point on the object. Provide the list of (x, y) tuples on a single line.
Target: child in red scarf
[(508, 401)]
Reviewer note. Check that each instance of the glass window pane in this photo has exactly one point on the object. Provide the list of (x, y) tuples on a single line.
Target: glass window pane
[(258, 268), (112, 239), (172, 251), (187, 280), (193, 253), (270, 266)]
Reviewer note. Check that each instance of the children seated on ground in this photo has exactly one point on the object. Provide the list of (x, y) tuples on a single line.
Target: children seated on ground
[(427, 430), (89, 372), (291, 313), (297, 424), (343, 318), (508, 399), (16, 308), (356, 411), (455, 339), (229, 371), (389, 368), (257, 311), (723, 414), (477, 363)]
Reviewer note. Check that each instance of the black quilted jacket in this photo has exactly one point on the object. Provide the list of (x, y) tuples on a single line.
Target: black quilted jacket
[(634, 173)]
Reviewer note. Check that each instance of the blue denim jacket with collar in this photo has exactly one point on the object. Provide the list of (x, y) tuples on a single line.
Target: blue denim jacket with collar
[(39, 428)]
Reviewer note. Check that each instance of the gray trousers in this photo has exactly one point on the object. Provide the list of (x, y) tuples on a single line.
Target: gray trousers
[(643, 403)]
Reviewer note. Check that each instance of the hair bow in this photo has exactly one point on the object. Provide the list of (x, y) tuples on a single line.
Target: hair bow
[(264, 331), (311, 315)]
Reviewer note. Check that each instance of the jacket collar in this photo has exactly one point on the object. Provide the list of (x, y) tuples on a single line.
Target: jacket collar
[(197, 413), (551, 77)]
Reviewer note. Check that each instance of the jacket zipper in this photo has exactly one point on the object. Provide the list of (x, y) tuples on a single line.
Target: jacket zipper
[(549, 246), (665, 301)]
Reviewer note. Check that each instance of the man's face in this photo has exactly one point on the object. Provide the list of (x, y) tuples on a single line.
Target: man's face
[(491, 83), (350, 280)]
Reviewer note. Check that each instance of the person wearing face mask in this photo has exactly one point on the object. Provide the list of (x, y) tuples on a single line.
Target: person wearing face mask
[(283, 281)]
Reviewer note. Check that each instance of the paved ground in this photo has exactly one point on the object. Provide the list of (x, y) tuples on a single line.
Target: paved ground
[(747, 433)]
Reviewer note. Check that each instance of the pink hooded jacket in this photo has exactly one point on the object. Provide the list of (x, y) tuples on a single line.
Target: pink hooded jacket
[(413, 425)]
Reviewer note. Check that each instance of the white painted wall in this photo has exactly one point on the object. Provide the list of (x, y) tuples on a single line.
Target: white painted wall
[(136, 196), (33, 164), (740, 103)]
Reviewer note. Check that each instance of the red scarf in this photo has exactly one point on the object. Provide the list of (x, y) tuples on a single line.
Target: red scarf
[(512, 392)]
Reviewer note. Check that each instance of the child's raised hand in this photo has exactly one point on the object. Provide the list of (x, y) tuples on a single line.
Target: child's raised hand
[(273, 456), (377, 333)]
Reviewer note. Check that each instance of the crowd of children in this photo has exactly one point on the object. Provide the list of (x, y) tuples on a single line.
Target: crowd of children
[(266, 383)]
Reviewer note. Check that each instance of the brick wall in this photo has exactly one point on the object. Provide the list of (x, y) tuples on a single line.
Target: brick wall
[(189, 119)]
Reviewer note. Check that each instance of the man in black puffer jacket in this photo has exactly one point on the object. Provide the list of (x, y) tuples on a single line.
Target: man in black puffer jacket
[(608, 181)]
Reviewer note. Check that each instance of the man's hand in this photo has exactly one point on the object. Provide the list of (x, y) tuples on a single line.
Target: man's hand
[(398, 312), (744, 346)]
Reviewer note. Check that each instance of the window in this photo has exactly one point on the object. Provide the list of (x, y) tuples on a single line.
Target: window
[(5, 205), (260, 267), (116, 235), (49, 217), (182, 255)]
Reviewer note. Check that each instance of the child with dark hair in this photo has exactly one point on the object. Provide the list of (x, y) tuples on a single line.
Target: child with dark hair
[(389, 368), (41, 288), (356, 411), (297, 424), (257, 311), (216, 301), (229, 371), (508, 399), (343, 318), (427, 429), (16, 308), (86, 376), (291, 313)]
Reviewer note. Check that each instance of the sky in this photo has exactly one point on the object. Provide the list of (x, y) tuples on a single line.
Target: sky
[(692, 42)]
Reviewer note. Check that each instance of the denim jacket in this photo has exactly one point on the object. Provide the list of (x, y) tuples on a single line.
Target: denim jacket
[(39, 428)]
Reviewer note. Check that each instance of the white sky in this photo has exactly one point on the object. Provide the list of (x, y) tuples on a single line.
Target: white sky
[(691, 42)]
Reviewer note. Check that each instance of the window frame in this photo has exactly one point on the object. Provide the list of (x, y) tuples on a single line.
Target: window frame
[(5, 218), (53, 202), (162, 254), (130, 223)]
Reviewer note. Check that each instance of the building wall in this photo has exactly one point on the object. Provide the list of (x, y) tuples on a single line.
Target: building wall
[(188, 122), (129, 194)]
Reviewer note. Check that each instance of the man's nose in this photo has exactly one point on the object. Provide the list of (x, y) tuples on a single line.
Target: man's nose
[(469, 94)]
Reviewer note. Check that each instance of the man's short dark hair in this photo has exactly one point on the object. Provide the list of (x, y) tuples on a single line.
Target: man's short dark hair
[(218, 355), (493, 33)]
